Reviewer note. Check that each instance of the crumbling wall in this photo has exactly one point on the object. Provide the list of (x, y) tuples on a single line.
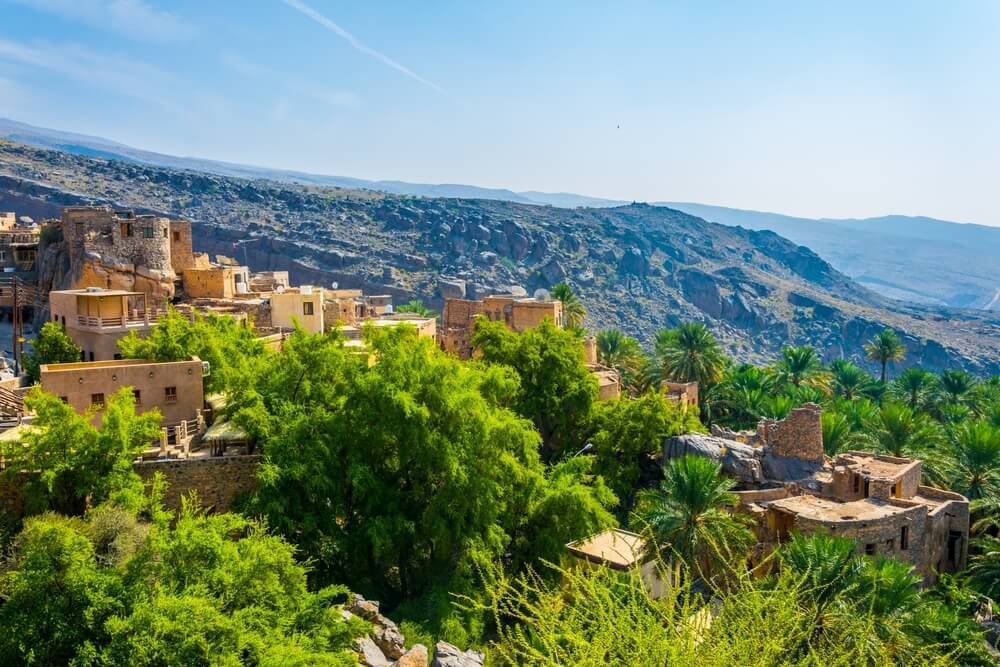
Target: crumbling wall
[(218, 480), (799, 435)]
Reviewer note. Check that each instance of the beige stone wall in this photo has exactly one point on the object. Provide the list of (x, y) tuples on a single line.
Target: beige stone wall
[(218, 481), (212, 283), (287, 308), (529, 314), (458, 313), (77, 383), (799, 435), (181, 246)]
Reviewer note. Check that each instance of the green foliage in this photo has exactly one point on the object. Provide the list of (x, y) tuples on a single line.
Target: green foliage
[(972, 467), (573, 310), (914, 387), (837, 434), (690, 353), (213, 591), (401, 475), (417, 308), (63, 462), (52, 346), (801, 366), (557, 392), (688, 516), (230, 347), (899, 431), (885, 348), (621, 352), (850, 382), (629, 439)]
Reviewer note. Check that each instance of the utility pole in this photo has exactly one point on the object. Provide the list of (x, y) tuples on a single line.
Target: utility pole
[(244, 242), (15, 327)]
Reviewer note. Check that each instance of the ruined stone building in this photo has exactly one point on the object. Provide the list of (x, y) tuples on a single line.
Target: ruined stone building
[(123, 250), (18, 247), (788, 486), (518, 313)]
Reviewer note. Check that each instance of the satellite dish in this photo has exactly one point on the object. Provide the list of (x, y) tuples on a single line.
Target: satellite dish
[(542, 294), (334, 285)]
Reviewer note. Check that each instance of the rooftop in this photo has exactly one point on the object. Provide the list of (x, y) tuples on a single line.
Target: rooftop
[(115, 363), (616, 548), (821, 509), (98, 291), (874, 465)]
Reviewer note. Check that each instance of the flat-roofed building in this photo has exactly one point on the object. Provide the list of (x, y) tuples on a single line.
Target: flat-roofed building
[(621, 550), (302, 305), (216, 282), (518, 313), (174, 388), (96, 319)]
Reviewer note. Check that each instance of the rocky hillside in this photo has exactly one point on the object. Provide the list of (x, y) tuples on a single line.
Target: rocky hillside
[(637, 267)]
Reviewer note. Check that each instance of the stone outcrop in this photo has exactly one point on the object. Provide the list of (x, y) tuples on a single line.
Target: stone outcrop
[(386, 644), (738, 460), (446, 655)]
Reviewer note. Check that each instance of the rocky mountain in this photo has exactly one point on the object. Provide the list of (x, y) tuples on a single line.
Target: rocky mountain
[(637, 267)]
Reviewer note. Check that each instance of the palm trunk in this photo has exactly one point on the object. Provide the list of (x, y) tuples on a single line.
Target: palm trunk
[(885, 366)]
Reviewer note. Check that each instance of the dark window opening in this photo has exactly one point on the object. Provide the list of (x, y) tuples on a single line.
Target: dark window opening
[(64, 399), (177, 236), (97, 400), (118, 355), (954, 547), (126, 229), (307, 308), (91, 356), (866, 487), (904, 538), (857, 484), (137, 395), (147, 232), (170, 393), (870, 549), (165, 233)]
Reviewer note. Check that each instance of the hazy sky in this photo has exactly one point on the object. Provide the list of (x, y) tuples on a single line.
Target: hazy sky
[(807, 108)]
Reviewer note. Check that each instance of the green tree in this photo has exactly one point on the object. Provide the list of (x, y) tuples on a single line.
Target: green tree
[(417, 308), (838, 436), (885, 348), (229, 346), (827, 565), (956, 386), (690, 353), (52, 346), (689, 516), (401, 475), (914, 386), (573, 309), (898, 431), (984, 566), (64, 462), (556, 392), (801, 366), (850, 381), (972, 465), (629, 439), (622, 353)]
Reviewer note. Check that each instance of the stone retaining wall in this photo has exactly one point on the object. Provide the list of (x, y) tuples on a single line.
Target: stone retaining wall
[(218, 481)]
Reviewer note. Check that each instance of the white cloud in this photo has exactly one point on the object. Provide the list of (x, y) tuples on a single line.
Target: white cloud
[(340, 99), (357, 44), (134, 19), (112, 72)]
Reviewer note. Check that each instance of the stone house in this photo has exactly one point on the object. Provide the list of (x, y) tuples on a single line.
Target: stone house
[(216, 282), (298, 305), (622, 551), (18, 248), (518, 313), (96, 318), (788, 486), (174, 388)]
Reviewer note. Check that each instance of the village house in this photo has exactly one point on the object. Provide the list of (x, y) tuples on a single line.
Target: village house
[(216, 282), (518, 313), (788, 485), (622, 551), (96, 318), (18, 247), (298, 305), (174, 388)]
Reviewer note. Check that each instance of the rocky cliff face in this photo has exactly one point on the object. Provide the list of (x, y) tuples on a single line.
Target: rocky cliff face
[(636, 267)]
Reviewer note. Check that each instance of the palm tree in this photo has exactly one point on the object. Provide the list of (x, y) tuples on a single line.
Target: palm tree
[(621, 352), (914, 387), (691, 354), (827, 565), (973, 466), (689, 516), (417, 308), (898, 431), (984, 567), (849, 381), (956, 385), (573, 310), (884, 348), (801, 366), (837, 433)]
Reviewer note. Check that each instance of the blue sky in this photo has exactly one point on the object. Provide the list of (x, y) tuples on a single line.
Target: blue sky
[(807, 108)]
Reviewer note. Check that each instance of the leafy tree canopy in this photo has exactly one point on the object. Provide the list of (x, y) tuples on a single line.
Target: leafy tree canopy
[(52, 346)]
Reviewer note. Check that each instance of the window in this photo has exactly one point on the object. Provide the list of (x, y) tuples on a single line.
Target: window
[(866, 487), (83, 355), (91, 356), (870, 549), (165, 233), (238, 278), (97, 400), (177, 236), (64, 399), (307, 308), (904, 538), (170, 393), (126, 229), (857, 484), (147, 232), (79, 229), (118, 355), (137, 395), (3, 255)]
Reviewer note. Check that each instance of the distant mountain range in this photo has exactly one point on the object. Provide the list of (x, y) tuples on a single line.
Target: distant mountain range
[(909, 258)]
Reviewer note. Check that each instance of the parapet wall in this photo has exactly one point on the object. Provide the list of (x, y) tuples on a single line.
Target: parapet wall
[(218, 481)]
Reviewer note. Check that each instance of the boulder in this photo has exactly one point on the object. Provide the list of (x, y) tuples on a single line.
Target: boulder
[(702, 290), (415, 657), (451, 288), (369, 654), (634, 263), (554, 272), (446, 655), (388, 637), (739, 460), (366, 609)]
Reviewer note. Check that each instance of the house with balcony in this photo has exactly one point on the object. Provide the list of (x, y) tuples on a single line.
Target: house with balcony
[(96, 318)]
